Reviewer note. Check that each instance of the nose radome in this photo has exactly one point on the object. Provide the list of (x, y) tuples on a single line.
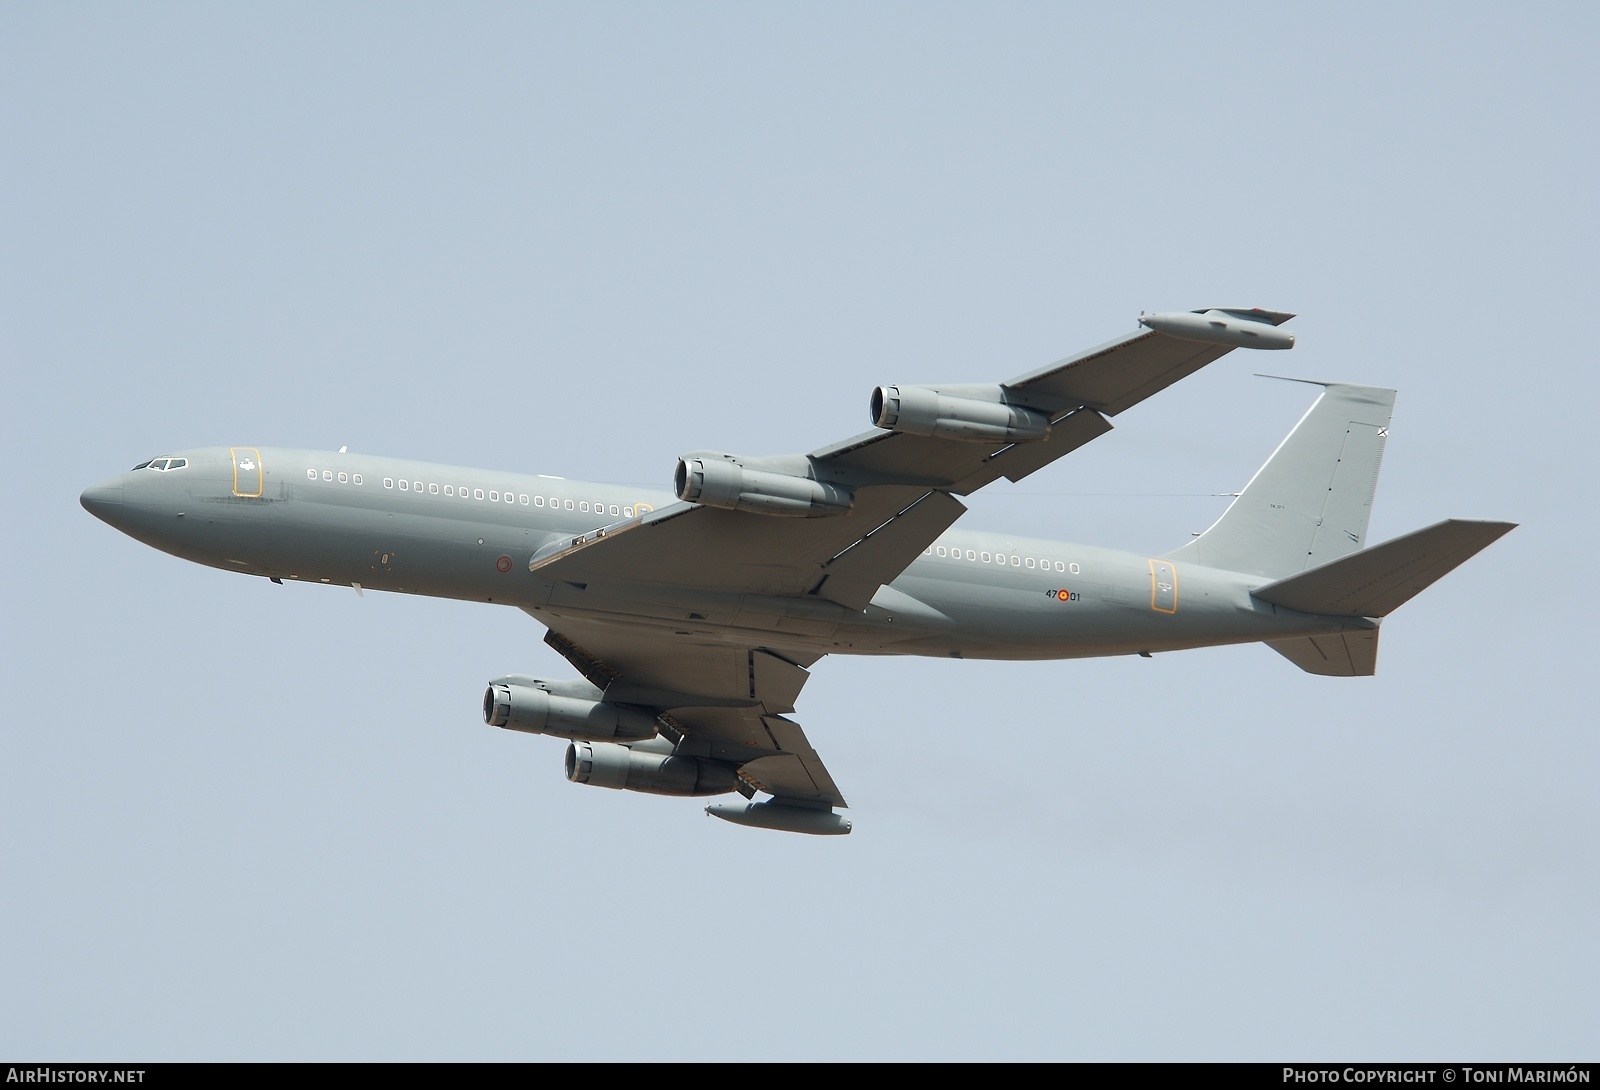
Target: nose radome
[(103, 501)]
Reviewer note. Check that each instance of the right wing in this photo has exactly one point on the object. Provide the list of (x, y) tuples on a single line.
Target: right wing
[(1078, 392), (903, 485)]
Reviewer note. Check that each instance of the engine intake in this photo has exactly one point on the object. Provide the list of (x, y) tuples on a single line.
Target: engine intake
[(922, 410), (649, 767), (720, 481)]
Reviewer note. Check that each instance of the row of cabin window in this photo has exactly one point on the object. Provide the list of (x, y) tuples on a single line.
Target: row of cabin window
[(999, 558), (495, 496), (327, 475)]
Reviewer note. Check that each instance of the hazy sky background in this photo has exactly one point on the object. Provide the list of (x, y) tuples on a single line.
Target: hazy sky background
[(248, 821)]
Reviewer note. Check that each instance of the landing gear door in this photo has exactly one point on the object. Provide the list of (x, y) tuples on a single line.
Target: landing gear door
[(246, 471)]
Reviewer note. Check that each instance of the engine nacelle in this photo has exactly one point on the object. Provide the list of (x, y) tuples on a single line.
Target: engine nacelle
[(535, 711), (920, 410), (649, 767), (720, 481)]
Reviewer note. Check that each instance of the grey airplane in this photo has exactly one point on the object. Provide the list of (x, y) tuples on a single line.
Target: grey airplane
[(694, 618)]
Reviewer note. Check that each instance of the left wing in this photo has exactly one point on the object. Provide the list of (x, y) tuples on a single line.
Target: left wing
[(687, 546), (723, 702)]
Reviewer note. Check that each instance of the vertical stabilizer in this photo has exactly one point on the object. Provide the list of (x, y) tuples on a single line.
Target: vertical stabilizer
[(1310, 503)]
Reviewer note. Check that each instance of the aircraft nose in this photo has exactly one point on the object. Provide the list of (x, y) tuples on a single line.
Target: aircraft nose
[(103, 501)]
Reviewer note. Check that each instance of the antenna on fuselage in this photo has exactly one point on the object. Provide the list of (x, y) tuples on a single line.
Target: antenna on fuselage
[(344, 450)]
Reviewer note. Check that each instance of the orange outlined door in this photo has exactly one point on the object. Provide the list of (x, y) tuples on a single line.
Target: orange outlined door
[(1163, 587), (246, 471)]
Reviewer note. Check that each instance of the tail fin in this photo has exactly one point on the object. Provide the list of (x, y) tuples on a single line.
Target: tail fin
[(1310, 503)]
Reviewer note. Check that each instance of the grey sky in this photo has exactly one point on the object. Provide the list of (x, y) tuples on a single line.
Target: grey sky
[(244, 821)]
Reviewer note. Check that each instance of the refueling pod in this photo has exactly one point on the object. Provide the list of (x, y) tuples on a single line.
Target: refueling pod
[(1239, 328), (720, 480), (790, 817)]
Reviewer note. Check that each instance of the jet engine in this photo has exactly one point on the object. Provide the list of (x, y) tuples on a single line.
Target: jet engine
[(923, 410), (720, 481), (649, 767), (535, 711)]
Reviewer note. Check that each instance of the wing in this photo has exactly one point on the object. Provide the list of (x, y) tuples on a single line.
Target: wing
[(1078, 393), (879, 500), (722, 701), (686, 546), (903, 486)]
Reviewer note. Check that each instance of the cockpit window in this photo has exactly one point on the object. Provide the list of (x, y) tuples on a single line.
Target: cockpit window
[(177, 463), (161, 465), (141, 465)]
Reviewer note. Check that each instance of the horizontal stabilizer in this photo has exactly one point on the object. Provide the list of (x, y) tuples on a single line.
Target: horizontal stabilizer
[(1339, 654), (1374, 582)]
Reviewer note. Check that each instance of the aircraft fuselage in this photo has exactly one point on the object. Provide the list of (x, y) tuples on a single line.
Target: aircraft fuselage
[(451, 532)]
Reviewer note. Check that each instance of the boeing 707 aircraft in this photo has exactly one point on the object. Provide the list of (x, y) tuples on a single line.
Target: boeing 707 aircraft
[(694, 618)]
